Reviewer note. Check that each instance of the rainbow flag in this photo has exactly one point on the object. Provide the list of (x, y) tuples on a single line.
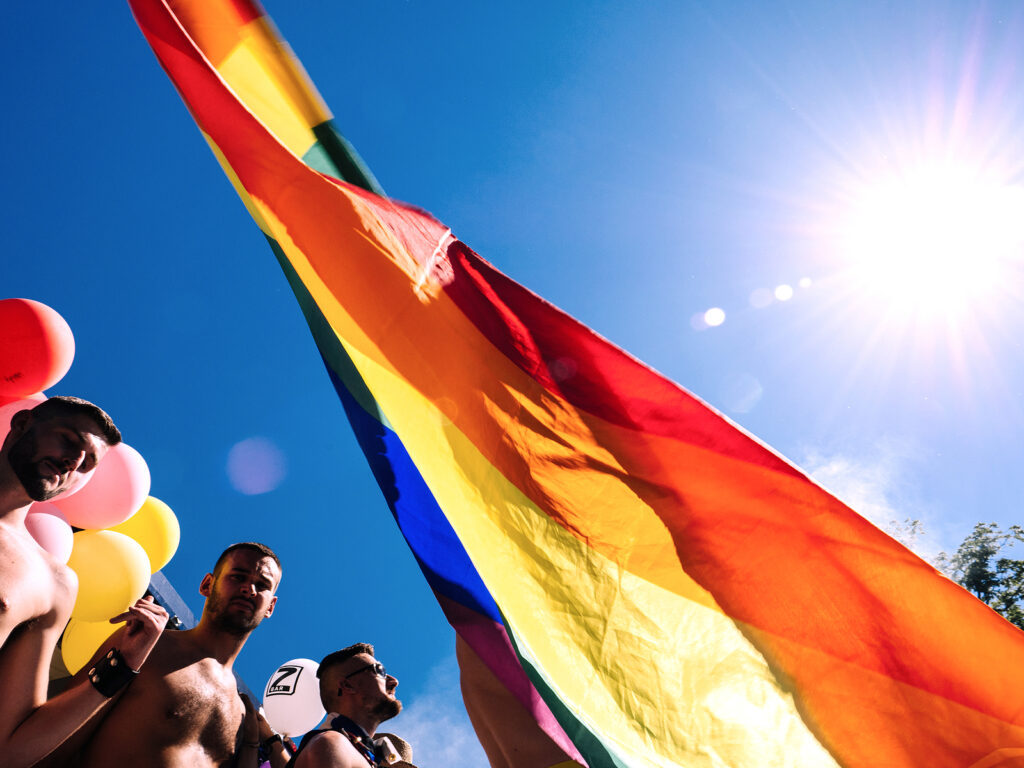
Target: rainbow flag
[(653, 585)]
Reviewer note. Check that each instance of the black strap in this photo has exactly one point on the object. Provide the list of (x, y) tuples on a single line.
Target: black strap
[(367, 752)]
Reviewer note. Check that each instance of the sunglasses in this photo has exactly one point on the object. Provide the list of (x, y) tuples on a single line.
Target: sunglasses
[(377, 667)]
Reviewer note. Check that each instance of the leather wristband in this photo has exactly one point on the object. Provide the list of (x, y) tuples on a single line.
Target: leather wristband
[(111, 673), (268, 742)]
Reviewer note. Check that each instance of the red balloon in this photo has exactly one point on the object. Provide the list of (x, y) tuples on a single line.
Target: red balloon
[(36, 347), (115, 490)]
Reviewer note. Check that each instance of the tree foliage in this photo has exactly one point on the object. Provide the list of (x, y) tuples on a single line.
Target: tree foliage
[(906, 532), (981, 566)]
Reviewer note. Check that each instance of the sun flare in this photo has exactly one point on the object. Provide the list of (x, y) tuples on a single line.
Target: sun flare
[(933, 240)]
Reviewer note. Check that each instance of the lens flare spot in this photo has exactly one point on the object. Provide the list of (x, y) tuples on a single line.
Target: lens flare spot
[(714, 317), (761, 298), (784, 292), (255, 465), (742, 392)]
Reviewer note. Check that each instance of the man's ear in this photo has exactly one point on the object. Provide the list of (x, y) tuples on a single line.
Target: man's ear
[(20, 420), (19, 423), (206, 585), (270, 608)]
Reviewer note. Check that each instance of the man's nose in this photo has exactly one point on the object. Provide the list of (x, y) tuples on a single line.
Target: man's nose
[(391, 682), (73, 459)]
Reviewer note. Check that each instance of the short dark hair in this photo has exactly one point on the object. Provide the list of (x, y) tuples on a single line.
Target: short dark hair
[(333, 659), (62, 405), (252, 546)]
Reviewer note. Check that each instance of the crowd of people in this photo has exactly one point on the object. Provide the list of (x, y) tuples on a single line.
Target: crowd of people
[(151, 697)]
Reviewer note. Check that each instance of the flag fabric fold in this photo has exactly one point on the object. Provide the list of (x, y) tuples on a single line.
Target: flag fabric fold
[(651, 584)]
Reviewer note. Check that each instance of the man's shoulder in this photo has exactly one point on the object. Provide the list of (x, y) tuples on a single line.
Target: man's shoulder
[(33, 586), (330, 748), (180, 648), (327, 740)]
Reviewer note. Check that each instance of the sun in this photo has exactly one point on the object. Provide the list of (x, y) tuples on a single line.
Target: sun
[(932, 240)]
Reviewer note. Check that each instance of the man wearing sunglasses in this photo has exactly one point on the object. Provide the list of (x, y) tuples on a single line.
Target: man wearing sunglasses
[(359, 692)]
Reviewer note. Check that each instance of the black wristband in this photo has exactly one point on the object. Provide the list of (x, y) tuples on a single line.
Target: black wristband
[(111, 673), (268, 742)]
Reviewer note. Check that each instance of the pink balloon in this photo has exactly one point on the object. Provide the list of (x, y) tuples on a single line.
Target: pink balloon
[(36, 347), (11, 405), (115, 492), (50, 529)]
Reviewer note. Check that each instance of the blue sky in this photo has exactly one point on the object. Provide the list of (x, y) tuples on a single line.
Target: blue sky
[(636, 164)]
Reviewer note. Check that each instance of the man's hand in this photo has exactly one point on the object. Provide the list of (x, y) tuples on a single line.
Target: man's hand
[(251, 730), (256, 729), (255, 726), (266, 731), (144, 622)]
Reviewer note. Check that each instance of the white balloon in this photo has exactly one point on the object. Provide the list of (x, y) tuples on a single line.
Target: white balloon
[(291, 699)]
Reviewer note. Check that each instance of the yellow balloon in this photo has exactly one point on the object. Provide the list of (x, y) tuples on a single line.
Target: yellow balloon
[(113, 572), (81, 639), (156, 528)]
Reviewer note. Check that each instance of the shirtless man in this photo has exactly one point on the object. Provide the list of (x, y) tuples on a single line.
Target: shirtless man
[(356, 687), (183, 710), (49, 449)]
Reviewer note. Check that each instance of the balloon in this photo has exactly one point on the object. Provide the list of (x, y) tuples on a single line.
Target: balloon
[(36, 347), (156, 528), (50, 529), (292, 698), (113, 572), (11, 405), (81, 639), (117, 488)]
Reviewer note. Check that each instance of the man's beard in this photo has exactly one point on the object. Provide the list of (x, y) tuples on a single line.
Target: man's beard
[(232, 623), (20, 458), (385, 709)]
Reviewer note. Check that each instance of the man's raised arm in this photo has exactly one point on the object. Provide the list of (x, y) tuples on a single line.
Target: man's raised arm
[(31, 728)]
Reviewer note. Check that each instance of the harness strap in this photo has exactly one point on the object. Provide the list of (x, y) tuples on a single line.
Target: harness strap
[(362, 748), (366, 750)]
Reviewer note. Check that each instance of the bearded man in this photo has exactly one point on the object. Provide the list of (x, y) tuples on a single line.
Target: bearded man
[(50, 449), (184, 710), (361, 694)]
